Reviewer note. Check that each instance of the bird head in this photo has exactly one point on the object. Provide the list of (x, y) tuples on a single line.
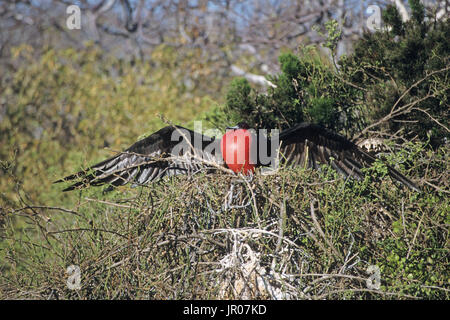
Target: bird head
[(240, 125)]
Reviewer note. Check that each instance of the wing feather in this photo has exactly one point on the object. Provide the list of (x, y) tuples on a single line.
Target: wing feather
[(327, 147), (149, 159)]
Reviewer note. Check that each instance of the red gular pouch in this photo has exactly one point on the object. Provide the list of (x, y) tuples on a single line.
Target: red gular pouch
[(236, 148)]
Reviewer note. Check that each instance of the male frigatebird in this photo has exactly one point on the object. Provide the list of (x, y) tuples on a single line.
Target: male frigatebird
[(176, 150)]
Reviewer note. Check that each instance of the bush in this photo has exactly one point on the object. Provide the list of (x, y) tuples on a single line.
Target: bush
[(405, 74), (61, 106), (396, 82), (299, 234), (306, 90)]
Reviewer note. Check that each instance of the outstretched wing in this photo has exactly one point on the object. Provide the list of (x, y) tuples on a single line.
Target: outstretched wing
[(308, 145), (170, 151)]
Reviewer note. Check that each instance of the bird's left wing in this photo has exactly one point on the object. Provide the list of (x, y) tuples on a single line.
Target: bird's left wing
[(170, 151)]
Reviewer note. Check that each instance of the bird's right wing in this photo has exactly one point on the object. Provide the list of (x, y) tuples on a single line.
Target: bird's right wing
[(170, 151), (308, 145)]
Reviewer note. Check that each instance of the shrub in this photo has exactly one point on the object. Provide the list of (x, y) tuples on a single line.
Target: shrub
[(62, 106), (405, 74), (304, 234), (307, 89), (395, 81)]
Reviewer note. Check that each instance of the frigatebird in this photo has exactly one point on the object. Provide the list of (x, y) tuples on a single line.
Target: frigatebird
[(175, 150)]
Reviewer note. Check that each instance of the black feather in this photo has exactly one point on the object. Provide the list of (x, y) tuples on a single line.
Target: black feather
[(155, 157), (147, 160), (323, 144)]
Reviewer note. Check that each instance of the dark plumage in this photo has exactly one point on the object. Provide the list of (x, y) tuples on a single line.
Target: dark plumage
[(148, 160), (315, 144), (154, 157)]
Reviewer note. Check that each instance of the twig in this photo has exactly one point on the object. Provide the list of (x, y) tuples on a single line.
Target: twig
[(406, 108), (319, 229), (415, 236), (323, 296), (109, 203), (87, 229), (254, 200), (48, 208), (429, 115), (436, 187)]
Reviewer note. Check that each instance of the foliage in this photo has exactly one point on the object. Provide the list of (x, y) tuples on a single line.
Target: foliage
[(64, 105), (395, 80), (303, 234), (405, 74), (307, 89), (306, 234)]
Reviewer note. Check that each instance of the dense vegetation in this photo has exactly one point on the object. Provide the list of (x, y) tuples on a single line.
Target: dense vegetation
[(63, 106), (298, 234), (395, 80)]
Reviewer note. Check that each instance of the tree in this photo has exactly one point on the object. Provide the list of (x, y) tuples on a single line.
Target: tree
[(405, 72), (307, 89), (396, 81)]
